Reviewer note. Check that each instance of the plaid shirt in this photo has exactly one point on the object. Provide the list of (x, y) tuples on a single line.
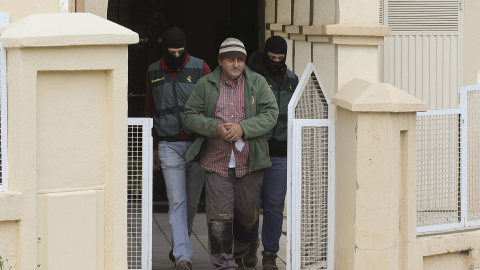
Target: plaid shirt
[(230, 109)]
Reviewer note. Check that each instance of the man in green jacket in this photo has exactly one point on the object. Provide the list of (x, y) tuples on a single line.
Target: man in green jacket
[(231, 110)]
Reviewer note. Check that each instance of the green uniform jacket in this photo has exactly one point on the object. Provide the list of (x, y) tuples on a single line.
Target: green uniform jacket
[(261, 113)]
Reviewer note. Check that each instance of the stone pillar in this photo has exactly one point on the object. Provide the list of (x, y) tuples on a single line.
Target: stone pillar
[(375, 198), (67, 141)]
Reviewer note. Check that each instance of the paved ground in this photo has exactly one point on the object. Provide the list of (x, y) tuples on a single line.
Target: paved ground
[(161, 245)]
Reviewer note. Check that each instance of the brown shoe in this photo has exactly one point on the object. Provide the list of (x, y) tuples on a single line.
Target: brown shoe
[(269, 261), (251, 259)]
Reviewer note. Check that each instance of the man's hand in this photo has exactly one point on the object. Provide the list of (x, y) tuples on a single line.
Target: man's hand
[(234, 132), (156, 160), (222, 130)]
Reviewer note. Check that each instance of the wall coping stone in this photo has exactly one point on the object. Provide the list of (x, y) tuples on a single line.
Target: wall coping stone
[(65, 29)]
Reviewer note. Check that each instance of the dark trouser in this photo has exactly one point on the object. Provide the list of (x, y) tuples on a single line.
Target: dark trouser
[(272, 197), (231, 206)]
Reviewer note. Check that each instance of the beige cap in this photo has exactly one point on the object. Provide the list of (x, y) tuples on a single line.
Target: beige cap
[(232, 48)]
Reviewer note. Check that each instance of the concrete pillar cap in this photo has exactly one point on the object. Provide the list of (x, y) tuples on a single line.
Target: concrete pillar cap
[(363, 96)]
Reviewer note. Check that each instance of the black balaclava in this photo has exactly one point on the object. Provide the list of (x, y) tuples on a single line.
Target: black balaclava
[(276, 45), (174, 38)]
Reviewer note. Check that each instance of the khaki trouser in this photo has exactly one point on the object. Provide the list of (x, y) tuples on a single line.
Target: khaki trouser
[(231, 207)]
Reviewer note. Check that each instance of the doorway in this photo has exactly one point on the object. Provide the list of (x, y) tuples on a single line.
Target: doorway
[(206, 24)]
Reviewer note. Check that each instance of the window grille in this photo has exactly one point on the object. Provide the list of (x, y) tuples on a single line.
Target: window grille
[(139, 183), (310, 192), (3, 120)]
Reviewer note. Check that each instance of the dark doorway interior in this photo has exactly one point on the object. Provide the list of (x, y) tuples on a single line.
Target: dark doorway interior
[(206, 24)]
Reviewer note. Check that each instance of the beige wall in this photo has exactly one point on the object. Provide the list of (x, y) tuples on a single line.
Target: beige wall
[(58, 144), (356, 12), (9, 233), (97, 7), (22, 8), (67, 142), (471, 39), (455, 250), (448, 261)]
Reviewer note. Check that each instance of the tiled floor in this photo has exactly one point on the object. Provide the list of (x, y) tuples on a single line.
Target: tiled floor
[(161, 245)]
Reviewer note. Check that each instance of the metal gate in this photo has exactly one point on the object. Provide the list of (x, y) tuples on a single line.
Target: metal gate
[(139, 208), (440, 169), (310, 202), (448, 166)]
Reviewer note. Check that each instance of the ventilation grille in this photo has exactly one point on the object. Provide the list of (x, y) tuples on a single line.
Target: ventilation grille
[(380, 19), (423, 16)]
